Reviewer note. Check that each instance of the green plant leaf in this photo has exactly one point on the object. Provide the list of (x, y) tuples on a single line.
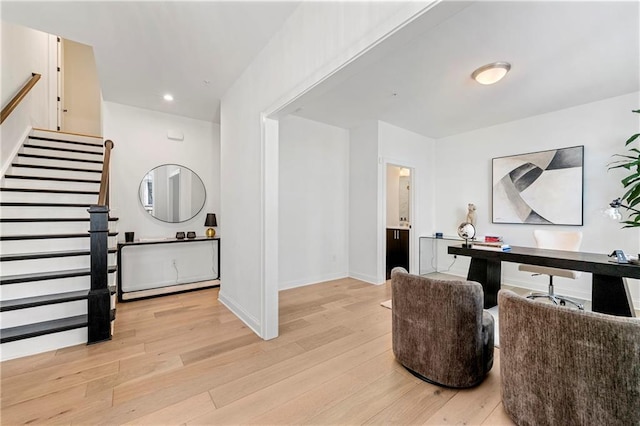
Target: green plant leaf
[(630, 179), (632, 138)]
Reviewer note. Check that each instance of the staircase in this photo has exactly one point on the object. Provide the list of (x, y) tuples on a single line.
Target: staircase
[(45, 274)]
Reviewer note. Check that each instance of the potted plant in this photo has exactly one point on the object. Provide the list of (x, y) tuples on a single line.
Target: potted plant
[(631, 162)]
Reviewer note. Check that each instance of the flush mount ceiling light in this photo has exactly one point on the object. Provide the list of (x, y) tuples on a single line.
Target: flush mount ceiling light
[(491, 73), (168, 97)]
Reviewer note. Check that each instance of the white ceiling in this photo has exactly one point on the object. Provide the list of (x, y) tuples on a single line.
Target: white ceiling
[(146, 49), (562, 54)]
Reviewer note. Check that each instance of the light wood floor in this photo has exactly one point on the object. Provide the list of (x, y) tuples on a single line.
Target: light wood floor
[(186, 359)]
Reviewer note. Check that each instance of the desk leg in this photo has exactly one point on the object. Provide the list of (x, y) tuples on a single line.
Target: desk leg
[(610, 295), (487, 273)]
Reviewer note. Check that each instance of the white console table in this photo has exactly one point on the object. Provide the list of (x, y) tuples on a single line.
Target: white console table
[(147, 265)]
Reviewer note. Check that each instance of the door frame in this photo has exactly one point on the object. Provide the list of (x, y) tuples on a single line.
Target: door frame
[(382, 218)]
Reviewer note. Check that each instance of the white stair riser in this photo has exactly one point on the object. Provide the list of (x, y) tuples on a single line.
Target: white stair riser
[(24, 228), (31, 228), (44, 212), (43, 197), (50, 184), (45, 343), (16, 267), (57, 163), (41, 149), (44, 265), (27, 171), (53, 244), (40, 288), (66, 136), (42, 313)]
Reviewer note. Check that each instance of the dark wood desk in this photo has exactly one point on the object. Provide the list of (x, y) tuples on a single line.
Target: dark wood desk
[(609, 289)]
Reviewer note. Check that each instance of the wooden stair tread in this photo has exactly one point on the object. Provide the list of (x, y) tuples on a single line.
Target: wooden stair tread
[(49, 191), (47, 236), (37, 204), (57, 149), (41, 328), (53, 157), (47, 299), (55, 179), (49, 219), (59, 168), (41, 138), (47, 255), (41, 276)]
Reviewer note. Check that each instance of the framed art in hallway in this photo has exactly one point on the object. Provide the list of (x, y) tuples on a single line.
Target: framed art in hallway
[(542, 188)]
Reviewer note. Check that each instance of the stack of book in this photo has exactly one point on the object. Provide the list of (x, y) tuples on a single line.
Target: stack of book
[(492, 245), (492, 239)]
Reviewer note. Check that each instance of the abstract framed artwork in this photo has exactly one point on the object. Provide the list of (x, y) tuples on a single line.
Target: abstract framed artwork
[(542, 188)]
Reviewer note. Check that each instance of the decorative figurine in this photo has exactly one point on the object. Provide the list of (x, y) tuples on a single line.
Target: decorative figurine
[(471, 214)]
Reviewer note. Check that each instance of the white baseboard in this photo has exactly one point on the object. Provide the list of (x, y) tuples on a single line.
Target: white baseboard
[(366, 278), (239, 311), (313, 280)]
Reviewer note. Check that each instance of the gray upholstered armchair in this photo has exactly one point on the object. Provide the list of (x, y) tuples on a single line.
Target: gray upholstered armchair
[(561, 366), (440, 331)]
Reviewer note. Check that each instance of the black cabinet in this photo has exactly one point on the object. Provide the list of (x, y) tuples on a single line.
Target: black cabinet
[(397, 249)]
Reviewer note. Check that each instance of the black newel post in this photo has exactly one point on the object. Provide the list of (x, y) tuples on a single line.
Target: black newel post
[(99, 296)]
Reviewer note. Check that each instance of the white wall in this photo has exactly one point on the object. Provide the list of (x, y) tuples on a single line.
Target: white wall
[(141, 144), (313, 206), (463, 175), (26, 51), (402, 147), (316, 40), (364, 213)]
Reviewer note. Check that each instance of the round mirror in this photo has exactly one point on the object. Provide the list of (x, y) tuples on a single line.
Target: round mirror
[(172, 193)]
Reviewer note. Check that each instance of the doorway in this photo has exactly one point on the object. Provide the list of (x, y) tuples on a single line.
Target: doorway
[(79, 108), (398, 217)]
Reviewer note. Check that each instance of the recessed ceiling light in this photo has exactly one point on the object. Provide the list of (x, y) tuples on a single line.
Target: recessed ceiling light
[(168, 97), (491, 73)]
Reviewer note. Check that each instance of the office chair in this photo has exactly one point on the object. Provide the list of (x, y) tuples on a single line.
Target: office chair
[(555, 240)]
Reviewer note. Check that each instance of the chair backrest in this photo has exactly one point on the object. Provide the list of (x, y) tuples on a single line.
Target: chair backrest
[(561, 366), (558, 240)]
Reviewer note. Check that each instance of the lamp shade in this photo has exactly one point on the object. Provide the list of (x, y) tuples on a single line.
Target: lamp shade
[(491, 73), (211, 220)]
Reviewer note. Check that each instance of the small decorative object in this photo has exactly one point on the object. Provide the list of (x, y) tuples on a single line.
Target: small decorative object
[(471, 214), (128, 237), (180, 235), (438, 234), (467, 232), (211, 221), (191, 234)]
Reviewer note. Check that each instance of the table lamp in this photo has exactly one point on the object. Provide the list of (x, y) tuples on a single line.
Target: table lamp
[(211, 221), (613, 212)]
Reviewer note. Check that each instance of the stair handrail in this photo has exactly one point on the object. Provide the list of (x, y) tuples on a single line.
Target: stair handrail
[(13, 103), (103, 196)]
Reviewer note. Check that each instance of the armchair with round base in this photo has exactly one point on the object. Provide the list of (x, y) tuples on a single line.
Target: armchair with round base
[(440, 331), (561, 366), (555, 240)]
